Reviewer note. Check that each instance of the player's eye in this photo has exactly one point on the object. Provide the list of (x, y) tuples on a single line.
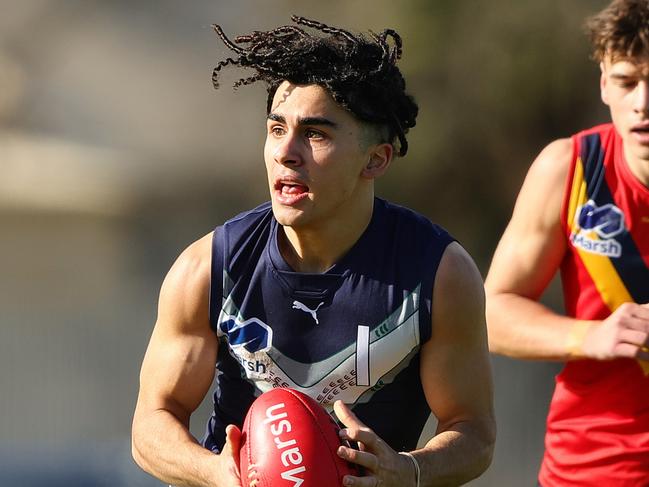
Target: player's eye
[(277, 130), (626, 82), (313, 134)]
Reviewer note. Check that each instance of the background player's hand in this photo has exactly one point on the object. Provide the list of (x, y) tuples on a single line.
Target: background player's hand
[(381, 465), (625, 333), (229, 475)]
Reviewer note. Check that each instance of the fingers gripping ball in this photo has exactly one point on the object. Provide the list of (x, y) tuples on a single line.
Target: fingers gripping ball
[(289, 440)]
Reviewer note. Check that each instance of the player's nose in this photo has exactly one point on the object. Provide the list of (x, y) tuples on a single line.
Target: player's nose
[(287, 149), (641, 99)]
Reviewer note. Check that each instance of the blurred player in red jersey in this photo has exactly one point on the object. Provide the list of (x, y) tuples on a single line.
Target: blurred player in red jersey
[(584, 210)]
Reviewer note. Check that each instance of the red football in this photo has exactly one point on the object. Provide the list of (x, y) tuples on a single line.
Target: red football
[(289, 440)]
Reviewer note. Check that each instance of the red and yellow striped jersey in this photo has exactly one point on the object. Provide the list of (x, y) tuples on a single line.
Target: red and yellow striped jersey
[(598, 424)]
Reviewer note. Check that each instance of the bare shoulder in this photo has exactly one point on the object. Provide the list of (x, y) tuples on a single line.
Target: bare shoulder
[(457, 269), (533, 244), (538, 206), (184, 294), (551, 166), (196, 257), (458, 295), (456, 374), (182, 344)]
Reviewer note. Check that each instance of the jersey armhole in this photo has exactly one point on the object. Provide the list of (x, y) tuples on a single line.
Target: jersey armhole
[(428, 286), (216, 277), (567, 189)]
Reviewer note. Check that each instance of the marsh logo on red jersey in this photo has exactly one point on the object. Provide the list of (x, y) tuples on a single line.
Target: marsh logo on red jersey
[(596, 228)]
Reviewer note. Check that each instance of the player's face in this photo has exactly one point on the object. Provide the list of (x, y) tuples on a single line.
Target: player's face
[(625, 89), (316, 155)]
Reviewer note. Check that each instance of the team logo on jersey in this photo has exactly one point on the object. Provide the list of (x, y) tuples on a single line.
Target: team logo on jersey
[(597, 225), (306, 309), (252, 334)]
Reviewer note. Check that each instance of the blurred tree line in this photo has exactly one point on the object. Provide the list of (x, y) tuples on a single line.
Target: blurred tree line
[(495, 81)]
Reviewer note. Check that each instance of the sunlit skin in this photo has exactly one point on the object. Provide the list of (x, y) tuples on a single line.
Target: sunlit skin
[(321, 164), (624, 87), (534, 248), (534, 245)]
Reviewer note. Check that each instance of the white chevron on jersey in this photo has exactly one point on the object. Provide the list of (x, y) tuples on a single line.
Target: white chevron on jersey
[(335, 377)]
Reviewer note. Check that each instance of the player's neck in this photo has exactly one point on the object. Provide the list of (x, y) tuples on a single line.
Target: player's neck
[(639, 168), (316, 248), (641, 171)]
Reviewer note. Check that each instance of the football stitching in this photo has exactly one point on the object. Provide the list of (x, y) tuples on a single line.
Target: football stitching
[(253, 479)]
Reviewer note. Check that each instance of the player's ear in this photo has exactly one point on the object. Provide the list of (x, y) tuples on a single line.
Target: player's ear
[(602, 83), (378, 161)]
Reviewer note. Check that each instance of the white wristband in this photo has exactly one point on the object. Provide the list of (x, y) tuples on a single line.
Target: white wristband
[(415, 463)]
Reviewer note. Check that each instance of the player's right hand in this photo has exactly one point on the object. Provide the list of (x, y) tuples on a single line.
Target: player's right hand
[(625, 333)]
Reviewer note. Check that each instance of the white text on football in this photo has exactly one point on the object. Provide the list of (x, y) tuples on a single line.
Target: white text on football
[(290, 454)]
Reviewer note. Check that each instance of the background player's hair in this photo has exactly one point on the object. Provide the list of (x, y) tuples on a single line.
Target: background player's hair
[(621, 30), (360, 73)]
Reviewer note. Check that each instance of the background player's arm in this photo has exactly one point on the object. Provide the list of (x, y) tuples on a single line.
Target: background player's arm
[(456, 378), (176, 373), (527, 257)]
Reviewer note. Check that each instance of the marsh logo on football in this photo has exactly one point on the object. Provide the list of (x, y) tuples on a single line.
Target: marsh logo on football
[(596, 228)]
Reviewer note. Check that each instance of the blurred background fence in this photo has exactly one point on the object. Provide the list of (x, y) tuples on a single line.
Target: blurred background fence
[(115, 153)]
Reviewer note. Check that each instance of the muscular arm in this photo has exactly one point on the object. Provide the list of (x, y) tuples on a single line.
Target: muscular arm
[(176, 373), (456, 378), (527, 257)]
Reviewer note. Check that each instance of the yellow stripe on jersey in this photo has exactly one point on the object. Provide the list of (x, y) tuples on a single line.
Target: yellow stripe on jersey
[(578, 194), (611, 289)]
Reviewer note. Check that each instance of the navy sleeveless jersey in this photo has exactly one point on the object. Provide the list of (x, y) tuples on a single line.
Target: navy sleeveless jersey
[(351, 333)]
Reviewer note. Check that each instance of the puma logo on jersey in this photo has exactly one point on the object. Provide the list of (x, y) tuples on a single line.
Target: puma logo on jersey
[(306, 309)]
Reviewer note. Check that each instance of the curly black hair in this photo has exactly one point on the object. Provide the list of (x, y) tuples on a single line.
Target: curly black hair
[(360, 73)]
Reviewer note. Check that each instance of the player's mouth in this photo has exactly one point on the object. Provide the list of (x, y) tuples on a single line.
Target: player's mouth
[(640, 132), (290, 191)]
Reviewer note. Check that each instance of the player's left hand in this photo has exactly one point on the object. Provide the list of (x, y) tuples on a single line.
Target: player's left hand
[(380, 463)]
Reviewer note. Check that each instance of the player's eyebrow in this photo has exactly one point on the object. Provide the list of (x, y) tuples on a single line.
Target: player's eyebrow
[(275, 117)]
